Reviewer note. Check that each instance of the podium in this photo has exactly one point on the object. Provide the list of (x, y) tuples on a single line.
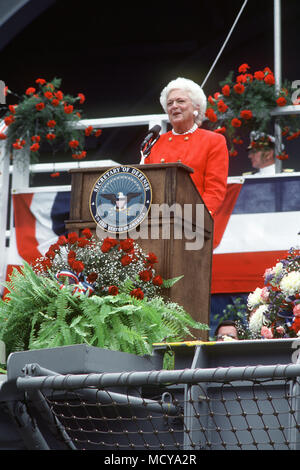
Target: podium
[(172, 186)]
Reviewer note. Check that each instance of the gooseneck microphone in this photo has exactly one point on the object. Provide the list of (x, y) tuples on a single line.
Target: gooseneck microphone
[(152, 134), (150, 139)]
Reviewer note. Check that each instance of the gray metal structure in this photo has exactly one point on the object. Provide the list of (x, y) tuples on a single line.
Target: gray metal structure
[(240, 395)]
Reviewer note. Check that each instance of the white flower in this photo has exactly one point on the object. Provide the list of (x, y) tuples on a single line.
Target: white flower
[(277, 270), (290, 283), (255, 299), (258, 319)]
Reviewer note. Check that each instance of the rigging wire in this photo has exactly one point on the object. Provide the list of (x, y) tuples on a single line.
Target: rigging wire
[(224, 45)]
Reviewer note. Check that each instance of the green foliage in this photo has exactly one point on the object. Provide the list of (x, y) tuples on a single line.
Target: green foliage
[(28, 120), (257, 95), (39, 313)]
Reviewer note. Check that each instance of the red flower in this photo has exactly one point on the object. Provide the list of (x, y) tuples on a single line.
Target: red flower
[(259, 75), (2, 136), (46, 263), (59, 95), (127, 245), (30, 91), (9, 120), (18, 144), (92, 277), (12, 109), (281, 101), (51, 123), (81, 98), (246, 114), (79, 156), (151, 259), (35, 147), (98, 132), (50, 136), (211, 115), (267, 69), (73, 144), (157, 280), (88, 130), (72, 237), (50, 254), (137, 293), (36, 138), (108, 243), (296, 324), (242, 79), (48, 95), (87, 233), (239, 88), (113, 290), (285, 131), (71, 256), (211, 100), (41, 81), (62, 240), (78, 266), (269, 79), (55, 102), (55, 175), (126, 260), (145, 275), (282, 156), (226, 90), (40, 106), (243, 68), (236, 122), (82, 242), (233, 153), (68, 109), (222, 107)]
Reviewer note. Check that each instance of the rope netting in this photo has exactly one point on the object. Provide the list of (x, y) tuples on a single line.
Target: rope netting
[(262, 414)]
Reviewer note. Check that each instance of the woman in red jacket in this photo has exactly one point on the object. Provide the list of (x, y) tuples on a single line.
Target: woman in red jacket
[(204, 151)]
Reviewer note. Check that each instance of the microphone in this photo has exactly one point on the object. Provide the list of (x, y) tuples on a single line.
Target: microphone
[(153, 133)]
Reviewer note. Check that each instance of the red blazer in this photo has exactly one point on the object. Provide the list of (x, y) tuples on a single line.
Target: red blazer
[(204, 151)]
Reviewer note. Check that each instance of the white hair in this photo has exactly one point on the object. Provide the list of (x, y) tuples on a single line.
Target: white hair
[(194, 91)]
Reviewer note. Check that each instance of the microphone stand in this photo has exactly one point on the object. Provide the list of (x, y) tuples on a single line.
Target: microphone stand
[(146, 151)]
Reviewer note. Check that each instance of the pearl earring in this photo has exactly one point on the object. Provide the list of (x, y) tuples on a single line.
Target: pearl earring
[(195, 113)]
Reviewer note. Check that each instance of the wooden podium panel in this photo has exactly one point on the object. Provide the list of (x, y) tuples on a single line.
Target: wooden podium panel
[(171, 185)]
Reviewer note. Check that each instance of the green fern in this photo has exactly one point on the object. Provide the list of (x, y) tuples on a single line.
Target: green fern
[(40, 314)]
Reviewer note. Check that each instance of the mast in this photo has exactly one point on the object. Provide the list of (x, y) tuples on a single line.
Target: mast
[(278, 75)]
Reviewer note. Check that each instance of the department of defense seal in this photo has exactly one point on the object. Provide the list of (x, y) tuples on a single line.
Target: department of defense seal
[(120, 199)]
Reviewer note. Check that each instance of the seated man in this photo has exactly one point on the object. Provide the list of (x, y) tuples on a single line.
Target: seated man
[(226, 331), (262, 153)]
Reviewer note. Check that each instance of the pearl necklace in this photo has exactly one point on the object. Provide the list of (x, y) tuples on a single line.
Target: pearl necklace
[(190, 131)]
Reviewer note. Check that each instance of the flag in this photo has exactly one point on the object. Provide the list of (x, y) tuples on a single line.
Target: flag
[(258, 223), (39, 219), (263, 225)]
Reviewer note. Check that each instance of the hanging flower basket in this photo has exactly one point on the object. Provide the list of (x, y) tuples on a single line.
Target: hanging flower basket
[(244, 104), (46, 115)]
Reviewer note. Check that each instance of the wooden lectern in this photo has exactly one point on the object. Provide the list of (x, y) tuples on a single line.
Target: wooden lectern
[(171, 185)]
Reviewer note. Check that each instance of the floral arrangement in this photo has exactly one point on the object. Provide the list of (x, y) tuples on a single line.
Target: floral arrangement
[(275, 308), (244, 103), (101, 266), (104, 293), (44, 114)]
